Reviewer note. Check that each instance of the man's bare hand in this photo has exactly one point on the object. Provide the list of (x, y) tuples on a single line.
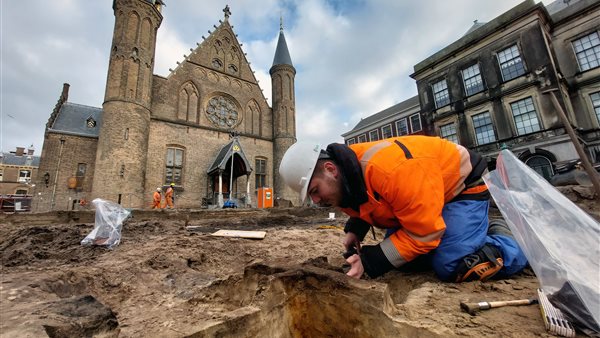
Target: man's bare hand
[(356, 267)]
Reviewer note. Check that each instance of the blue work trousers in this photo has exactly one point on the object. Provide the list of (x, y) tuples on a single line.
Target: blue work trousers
[(466, 232)]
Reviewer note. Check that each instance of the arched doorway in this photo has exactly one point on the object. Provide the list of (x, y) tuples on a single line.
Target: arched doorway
[(542, 165), (229, 164)]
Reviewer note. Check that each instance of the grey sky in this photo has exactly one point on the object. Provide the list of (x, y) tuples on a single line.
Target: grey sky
[(353, 58)]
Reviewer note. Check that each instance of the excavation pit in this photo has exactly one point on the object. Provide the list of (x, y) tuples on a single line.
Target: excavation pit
[(306, 301)]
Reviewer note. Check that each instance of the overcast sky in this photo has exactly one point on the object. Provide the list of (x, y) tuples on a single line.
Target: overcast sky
[(352, 57)]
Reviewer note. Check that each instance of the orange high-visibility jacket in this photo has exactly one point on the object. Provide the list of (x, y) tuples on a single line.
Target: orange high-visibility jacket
[(157, 197), (408, 181), (169, 192)]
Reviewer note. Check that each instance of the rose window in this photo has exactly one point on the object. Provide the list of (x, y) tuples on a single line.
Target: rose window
[(222, 112)]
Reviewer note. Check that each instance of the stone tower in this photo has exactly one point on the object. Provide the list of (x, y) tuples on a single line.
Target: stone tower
[(284, 112), (120, 169)]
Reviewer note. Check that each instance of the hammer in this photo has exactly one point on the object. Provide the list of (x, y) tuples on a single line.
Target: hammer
[(472, 308)]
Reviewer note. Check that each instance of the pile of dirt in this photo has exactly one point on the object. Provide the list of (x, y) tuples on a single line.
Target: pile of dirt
[(169, 277)]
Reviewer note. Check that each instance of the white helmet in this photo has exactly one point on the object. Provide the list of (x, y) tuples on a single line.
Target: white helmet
[(298, 164), (158, 189)]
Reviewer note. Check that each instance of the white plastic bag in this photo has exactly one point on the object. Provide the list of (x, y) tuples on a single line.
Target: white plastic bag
[(108, 224), (560, 241)]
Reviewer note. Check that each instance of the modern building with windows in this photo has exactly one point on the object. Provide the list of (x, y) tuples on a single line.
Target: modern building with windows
[(490, 88), (400, 119), (17, 168), (206, 127)]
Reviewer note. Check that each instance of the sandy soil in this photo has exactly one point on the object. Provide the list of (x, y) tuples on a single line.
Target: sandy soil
[(165, 280)]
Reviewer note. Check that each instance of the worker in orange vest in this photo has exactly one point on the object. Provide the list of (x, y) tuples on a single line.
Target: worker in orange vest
[(426, 192), (169, 197), (156, 198)]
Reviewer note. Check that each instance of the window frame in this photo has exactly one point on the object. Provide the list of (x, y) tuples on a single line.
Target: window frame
[(350, 141), (383, 133), (26, 178), (174, 166), (260, 176), (21, 189), (412, 128), (593, 48), (477, 75), (362, 138), (489, 115), (440, 103), (449, 137), (535, 113), (371, 138), (596, 108), (405, 119), (520, 56)]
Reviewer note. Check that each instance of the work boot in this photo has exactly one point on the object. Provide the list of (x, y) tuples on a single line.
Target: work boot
[(499, 227), (481, 265)]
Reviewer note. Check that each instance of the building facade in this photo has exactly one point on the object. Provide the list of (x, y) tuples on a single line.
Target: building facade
[(206, 127), (400, 119), (17, 169), (490, 89)]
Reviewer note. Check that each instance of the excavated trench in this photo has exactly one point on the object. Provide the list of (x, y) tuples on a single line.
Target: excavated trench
[(313, 299), (305, 301)]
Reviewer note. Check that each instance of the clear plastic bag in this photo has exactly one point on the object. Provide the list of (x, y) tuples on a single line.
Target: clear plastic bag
[(108, 224), (561, 241)]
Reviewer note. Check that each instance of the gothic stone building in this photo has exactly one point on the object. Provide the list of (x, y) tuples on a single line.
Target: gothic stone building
[(206, 127)]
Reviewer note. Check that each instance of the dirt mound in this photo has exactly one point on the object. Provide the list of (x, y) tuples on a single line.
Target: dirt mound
[(34, 245)]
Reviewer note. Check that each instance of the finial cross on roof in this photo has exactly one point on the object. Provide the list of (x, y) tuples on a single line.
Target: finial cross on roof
[(227, 12)]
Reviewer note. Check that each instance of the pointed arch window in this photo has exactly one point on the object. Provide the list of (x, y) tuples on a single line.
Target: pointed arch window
[(188, 103), (253, 117)]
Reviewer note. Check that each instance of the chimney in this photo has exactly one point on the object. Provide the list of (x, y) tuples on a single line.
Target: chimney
[(30, 151), (65, 91), (20, 151)]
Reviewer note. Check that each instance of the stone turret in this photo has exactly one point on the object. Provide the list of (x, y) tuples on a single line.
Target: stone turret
[(123, 140), (284, 112)]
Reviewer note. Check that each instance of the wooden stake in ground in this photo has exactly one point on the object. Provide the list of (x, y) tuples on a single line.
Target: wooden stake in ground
[(587, 165)]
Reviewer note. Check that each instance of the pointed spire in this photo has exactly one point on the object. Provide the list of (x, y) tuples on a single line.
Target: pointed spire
[(282, 55), (281, 23), (227, 12)]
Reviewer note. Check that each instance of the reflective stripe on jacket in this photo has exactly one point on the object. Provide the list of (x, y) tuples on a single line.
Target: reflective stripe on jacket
[(408, 181)]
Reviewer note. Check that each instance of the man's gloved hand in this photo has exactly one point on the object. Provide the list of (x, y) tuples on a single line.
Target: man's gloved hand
[(351, 241), (356, 267)]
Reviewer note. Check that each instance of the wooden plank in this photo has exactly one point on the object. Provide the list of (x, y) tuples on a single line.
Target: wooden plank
[(241, 233)]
